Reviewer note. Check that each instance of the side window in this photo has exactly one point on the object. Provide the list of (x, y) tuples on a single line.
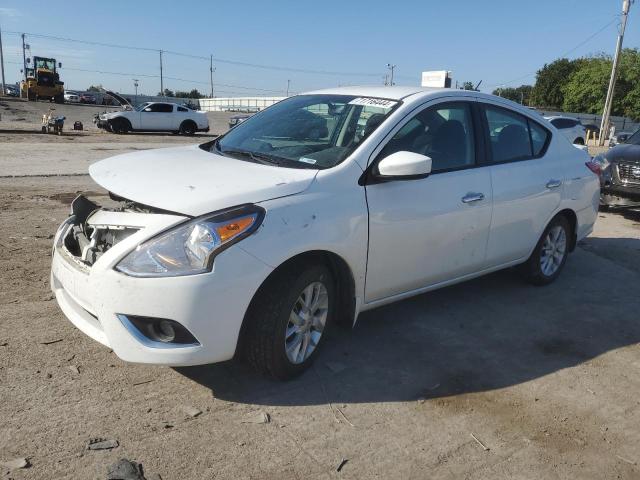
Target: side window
[(161, 108), (182, 109), (443, 132), (539, 137), (509, 135)]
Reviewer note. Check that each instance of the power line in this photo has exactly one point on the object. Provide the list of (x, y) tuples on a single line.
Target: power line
[(145, 75), (590, 37), (200, 57)]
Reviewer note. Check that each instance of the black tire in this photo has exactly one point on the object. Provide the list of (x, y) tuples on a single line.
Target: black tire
[(120, 125), (188, 128), (31, 95), (59, 98), (579, 141), (264, 332), (532, 269)]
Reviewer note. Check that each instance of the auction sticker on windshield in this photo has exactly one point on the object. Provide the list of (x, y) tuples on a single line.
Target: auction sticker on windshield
[(373, 102)]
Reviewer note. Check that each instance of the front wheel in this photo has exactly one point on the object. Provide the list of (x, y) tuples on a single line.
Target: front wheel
[(550, 255), (287, 320)]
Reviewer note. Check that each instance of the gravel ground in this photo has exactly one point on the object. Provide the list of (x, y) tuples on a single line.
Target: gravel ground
[(489, 379)]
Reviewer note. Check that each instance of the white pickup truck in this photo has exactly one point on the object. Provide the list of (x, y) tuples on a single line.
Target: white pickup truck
[(153, 117)]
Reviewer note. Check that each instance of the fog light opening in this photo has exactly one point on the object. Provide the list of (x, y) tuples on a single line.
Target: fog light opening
[(158, 332), (165, 331)]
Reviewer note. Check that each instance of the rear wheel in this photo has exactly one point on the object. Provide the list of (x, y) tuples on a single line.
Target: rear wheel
[(188, 128), (579, 141), (59, 98), (550, 255), (287, 320)]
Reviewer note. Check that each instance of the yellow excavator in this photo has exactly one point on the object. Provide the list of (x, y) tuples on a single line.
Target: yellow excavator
[(43, 81)]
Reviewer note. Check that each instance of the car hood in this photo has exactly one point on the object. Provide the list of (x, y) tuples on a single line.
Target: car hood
[(109, 115), (192, 181), (624, 152)]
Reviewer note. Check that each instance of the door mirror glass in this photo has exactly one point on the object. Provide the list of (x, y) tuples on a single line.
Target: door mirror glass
[(404, 165), (148, 109)]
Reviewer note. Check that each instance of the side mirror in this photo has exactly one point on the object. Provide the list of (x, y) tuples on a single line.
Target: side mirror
[(403, 166), (148, 109)]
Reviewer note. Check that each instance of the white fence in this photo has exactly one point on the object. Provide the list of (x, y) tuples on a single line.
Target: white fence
[(237, 104)]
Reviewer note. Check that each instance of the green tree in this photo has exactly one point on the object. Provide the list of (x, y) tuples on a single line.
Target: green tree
[(550, 81), (192, 94), (586, 88), (469, 86), (96, 88), (167, 93), (521, 94)]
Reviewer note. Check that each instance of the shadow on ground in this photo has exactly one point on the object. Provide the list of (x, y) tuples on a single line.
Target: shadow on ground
[(486, 334)]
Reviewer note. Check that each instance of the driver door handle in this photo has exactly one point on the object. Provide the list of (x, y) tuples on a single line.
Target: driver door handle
[(554, 183), (472, 197)]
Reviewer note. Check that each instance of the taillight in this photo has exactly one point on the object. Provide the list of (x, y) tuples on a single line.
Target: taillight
[(594, 167)]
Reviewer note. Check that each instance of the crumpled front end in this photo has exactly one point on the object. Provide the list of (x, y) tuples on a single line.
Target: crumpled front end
[(126, 313)]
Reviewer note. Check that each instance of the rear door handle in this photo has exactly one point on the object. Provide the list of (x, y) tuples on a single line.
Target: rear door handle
[(554, 183), (472, 197)]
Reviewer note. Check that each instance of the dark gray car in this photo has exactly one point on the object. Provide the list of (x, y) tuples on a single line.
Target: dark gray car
[(620, 179)]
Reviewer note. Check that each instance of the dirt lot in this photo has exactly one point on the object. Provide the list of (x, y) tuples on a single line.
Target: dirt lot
[(547, 379)]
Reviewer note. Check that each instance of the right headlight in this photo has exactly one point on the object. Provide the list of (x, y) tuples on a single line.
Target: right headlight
[(190, 248), (600, 160)]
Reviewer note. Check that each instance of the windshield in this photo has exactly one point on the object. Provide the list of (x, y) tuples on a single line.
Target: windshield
[(306, 131), (634, 139), (142, 106)]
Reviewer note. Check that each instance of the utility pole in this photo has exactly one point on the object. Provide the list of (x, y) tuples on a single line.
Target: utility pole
[(392, 68), (288, 84), (606, 114), (211, 73), (161, 79), (24, 66), (2, 65), (135, 84)]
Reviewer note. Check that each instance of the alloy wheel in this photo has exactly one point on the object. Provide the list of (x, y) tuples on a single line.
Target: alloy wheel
[(553, 251), (306, 322)]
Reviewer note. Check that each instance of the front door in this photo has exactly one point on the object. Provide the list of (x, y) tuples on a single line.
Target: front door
[(157, 116), (426, 231)]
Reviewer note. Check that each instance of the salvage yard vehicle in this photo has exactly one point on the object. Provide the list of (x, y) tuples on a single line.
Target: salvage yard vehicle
[(238, 119), (42, 81), (570, 127), (310, 212), (153, 117), (620, 173), (88, 98), (71, 97)]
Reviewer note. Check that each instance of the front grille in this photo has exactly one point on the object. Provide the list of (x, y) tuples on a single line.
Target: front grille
[(629, 172)]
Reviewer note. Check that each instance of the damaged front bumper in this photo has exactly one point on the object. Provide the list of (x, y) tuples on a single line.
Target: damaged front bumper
[(99, 300)]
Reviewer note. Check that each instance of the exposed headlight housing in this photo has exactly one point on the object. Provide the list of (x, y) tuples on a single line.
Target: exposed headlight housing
[(602, 161), (189, 248)]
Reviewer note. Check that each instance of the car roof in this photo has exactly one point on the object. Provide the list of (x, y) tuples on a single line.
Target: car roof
[(553, 117), (416, 93), (380, 91)]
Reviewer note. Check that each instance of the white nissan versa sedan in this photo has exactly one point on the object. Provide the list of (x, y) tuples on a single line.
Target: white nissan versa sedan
[(320, 207)]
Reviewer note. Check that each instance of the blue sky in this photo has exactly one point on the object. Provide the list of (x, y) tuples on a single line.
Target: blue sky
[(499, 42)]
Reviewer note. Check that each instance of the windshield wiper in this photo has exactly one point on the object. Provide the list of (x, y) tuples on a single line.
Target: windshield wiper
[(254, 156)]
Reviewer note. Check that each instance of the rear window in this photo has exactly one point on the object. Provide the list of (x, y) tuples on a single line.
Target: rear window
[(514, 136)]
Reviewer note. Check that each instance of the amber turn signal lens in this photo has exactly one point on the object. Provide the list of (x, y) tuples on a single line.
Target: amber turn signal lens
[(229, 230)]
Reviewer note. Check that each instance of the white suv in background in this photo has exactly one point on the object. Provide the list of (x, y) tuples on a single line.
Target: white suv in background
[(313, 210), (570, 127)]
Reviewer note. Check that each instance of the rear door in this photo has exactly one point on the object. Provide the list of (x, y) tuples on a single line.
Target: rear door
[(430, 230), (527, 182)]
